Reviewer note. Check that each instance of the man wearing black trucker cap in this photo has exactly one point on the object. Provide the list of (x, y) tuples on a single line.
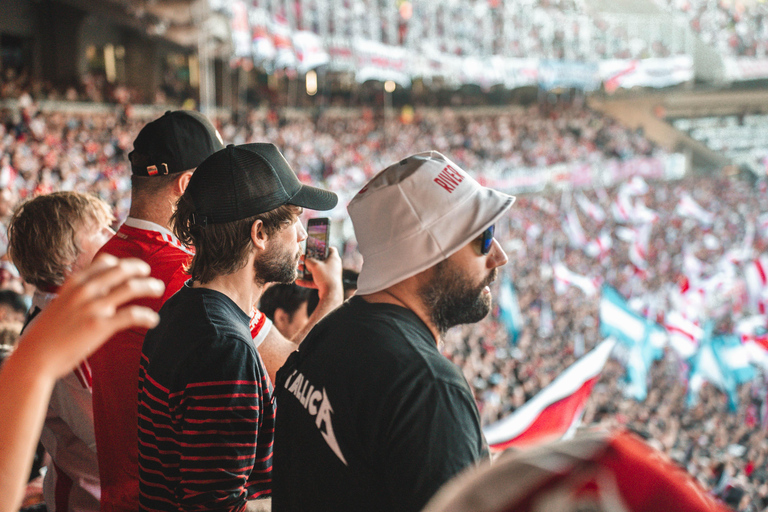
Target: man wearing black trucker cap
[(206, 408)]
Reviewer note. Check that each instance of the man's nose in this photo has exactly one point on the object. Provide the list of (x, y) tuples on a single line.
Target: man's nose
[(496, 257), (301, 233)]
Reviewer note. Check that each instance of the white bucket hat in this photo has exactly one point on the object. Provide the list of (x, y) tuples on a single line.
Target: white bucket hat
[(416, 213)]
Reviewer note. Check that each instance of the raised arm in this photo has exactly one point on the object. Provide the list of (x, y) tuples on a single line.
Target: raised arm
[(327, 279), (330, 290), (85, 314)]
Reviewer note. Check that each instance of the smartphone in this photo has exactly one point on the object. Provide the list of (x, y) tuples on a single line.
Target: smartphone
[(317, 241)]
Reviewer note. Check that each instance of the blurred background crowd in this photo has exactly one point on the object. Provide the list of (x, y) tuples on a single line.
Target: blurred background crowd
[(43, 151), (633, 134)]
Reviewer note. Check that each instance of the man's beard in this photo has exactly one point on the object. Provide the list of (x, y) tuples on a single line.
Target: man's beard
[(276, 266), (453, 299)]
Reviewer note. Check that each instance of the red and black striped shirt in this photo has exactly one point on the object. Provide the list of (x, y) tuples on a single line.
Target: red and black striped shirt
[(206, 408)]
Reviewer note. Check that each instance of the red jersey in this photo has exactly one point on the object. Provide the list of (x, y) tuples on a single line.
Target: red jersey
[(115, 366)]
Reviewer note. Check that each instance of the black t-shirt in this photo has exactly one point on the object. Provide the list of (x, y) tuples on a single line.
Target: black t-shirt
[(371, 416)]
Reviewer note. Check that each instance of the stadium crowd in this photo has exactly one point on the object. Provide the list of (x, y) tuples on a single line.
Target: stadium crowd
[(45, 151), (42, 152), (736, 29), (725, 450)]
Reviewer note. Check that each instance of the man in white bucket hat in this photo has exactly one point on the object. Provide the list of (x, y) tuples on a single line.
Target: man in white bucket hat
[(371, 416)]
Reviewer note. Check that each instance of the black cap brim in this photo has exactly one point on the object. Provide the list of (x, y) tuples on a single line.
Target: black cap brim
[(314, 198)]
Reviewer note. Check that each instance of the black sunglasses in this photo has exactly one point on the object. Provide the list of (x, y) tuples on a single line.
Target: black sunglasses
[(486, 240)]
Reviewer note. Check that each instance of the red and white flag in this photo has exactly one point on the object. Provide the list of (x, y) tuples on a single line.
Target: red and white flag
[(757, 349), (608, 471), (762, 224), (636, 187), (593, 210), (622, 208), (684, 335), (573, 229), (555, 410), (599, 247), (565, 278), (638, 248), (756, 277), (687, 207), (642, 214)]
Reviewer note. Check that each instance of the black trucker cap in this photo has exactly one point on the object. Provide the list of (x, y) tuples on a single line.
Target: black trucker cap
[(176, 142), (242, 181)]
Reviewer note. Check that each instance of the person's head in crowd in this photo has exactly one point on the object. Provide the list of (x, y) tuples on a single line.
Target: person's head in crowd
[(165, 154), (243, 202), (13, 306), (54, 235), (10, 278), (349, 280), (289, 306), (10, 331), (443, 251), (7, 202)]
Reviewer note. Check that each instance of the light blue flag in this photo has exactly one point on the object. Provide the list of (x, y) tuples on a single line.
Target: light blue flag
[(643, 338), (509, 309), (723, 362)]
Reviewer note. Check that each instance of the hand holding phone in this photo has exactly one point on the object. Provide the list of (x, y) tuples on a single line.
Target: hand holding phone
[(317, 241)]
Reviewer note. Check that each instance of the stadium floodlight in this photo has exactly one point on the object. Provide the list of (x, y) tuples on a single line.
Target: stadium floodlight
[(311, 82)]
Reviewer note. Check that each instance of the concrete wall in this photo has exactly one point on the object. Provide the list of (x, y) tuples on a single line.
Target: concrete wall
[(57, 41), (16, 18)]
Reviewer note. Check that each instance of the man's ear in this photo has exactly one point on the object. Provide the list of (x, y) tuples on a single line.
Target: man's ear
[(282, 319), (258, 235), (182, 181)]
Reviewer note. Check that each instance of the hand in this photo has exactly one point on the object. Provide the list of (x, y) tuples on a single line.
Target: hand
[(326, 275), (88, 310)]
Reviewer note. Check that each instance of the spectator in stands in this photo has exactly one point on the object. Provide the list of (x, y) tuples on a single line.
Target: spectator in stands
[(241, 212), (90, 308), (13, 307), (50, 238), (9, 335), (289, 306), (7, 203), (372, 416), (349, 279), (166, 153)]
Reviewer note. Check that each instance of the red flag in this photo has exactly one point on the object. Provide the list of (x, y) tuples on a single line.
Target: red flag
[(612, 472), (556, 409)]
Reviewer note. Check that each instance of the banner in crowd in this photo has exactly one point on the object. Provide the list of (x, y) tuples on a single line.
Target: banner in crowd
[(555, 74), (377, 61), (341, 56), (310, 53), (556, 409), (656, 73), (240, 28), (739, 69), (588, 175), (275, 45)]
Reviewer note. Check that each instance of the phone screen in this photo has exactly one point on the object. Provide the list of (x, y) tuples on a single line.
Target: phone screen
[(317, 241)]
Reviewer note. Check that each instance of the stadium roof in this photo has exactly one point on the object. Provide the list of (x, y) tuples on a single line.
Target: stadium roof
[(173, 20)]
